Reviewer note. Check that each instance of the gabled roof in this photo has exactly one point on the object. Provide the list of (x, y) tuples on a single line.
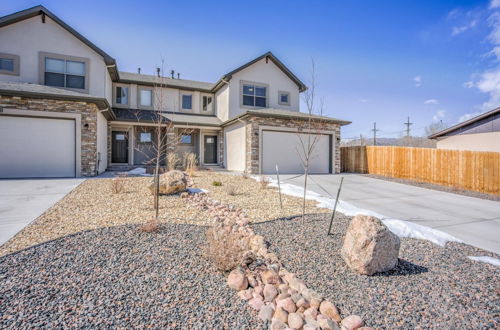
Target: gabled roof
[(147, 79), (41, 10), (466, 123), (287, 114), (267, 56)]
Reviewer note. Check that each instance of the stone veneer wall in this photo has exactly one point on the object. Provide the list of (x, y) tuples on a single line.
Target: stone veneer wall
[(88, 112), (252, 138)]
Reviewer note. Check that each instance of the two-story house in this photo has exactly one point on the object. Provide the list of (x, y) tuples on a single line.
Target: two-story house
[(66, 110)]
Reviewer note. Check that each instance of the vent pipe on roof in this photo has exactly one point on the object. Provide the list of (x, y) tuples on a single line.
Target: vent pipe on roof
[(158, 71), (139, 70), (172, 72)]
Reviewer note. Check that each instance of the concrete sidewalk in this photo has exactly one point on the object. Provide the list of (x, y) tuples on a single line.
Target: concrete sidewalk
[(472, 220), (22, 201)]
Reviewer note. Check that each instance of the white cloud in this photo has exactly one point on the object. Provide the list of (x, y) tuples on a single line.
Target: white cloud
[(468, 116), (438, 115), (494, 4), (431, 101), (418, 81), (461, 29), (468, 84), (363, 100)]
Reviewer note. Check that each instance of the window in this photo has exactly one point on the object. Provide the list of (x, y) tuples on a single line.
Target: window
[(64, 73), (121, 95), (145, 98), (284, 98), (186, 138), (254, 95), (9, 64), (206, 103), (187, 101), (145, 137)]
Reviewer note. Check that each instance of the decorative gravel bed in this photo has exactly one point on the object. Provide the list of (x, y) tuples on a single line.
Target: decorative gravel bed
[(93, 205), (438, 187), (432, 287), (119, 278), (259, 204)]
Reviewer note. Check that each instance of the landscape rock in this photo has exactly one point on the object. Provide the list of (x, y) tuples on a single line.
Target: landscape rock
[(352, 322), (171, 182), (270, 277), (266, 313), (256, 303), (295, 321), (369, 246), (277, 324), (287, 304), (270, 292), (329, 309), (327, 324), (245, 294), (281, 314), (237, 280)]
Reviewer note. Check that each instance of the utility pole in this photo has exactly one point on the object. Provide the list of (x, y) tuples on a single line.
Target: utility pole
[(361, 139), (375, 130), (408, 124)]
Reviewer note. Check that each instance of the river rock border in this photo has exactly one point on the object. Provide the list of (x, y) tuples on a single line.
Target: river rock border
[(281, 299)]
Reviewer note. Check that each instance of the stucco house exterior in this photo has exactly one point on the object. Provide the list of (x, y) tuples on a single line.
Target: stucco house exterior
[(481, 133), (67, 111)]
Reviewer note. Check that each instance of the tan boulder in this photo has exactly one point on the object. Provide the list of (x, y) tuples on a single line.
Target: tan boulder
[(369, 246), (237, 280), (171, 182)]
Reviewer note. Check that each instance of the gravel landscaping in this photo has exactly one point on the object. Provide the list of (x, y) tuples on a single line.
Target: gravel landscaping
[(259, 204), (438, 187), (119, 278), (93, 205), (432, 287)]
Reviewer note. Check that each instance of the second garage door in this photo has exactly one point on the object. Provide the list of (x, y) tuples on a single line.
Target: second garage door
[(36, 147), (281, 148)]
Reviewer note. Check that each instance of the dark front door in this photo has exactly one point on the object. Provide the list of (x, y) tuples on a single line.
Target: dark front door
[(210, 154), (119, 147)]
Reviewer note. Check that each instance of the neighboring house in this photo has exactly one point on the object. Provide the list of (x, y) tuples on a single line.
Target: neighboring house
[(481, 133), (66, 110)]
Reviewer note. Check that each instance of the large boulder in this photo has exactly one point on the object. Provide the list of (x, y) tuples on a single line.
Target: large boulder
[(172, 182), (369, 246)]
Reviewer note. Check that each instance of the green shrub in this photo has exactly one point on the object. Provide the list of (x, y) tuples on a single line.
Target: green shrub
[(216, 183)]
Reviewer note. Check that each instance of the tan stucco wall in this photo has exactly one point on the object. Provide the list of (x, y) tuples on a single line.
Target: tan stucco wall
[(263, 73), (29, 37), (222, 103), (475, 142), (234, 152)]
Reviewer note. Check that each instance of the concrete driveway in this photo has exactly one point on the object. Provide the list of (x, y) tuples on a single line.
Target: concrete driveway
[(472, 220), (22, 201)]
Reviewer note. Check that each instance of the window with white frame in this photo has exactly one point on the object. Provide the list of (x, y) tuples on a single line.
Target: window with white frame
[(145, 137), (9, 64), (254, 95), (187, 101), (146, 98), (186, 138), (62, 72), (284, 98), (206, 103), (121, 95)]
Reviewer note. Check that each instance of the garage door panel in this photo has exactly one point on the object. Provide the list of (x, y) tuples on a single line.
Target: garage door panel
[(36, 147), (287, 150)]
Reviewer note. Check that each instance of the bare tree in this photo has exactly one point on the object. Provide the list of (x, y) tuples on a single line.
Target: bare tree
[(434, 127), (314, 125)]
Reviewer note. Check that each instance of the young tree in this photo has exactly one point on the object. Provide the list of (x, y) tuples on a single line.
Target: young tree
[(314, 125)]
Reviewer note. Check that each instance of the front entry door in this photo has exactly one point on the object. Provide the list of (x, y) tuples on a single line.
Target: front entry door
[(210, 154), (119, 147)]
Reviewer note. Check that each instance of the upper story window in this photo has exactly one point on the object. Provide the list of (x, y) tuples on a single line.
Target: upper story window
[(254, 95), (65, 71), (145, 98), (121, 95), (284, 98), (207, 103), (9, 64), (187, 101)]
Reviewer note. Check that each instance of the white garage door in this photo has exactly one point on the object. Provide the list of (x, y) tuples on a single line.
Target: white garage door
[(281, 148), (36, 147)]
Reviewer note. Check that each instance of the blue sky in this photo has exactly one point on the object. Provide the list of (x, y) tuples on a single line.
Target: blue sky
[(375, 61)]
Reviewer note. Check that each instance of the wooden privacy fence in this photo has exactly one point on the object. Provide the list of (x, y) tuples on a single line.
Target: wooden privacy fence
[(472, 170)]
